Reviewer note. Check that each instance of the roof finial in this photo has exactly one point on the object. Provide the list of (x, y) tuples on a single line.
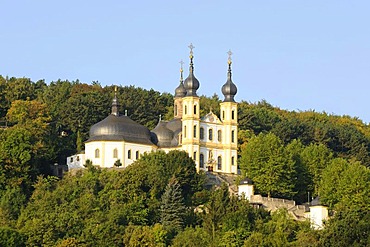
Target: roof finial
[(181, 70), (115, 104), (229, 59), (191, 54)]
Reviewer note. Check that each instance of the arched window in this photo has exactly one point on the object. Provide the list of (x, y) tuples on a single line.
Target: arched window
[(232, 136), (186, 110), (195, 156), (115, 153), (201, 160), (97, 153), (195, 131), (129, 154), (195, 109), (175, 108), (232, 114), (210, 134), (201, 133), (219, 163), (180, 138), (223, 115), (232, 161), (219, 135), (137, 155), (185, 131)]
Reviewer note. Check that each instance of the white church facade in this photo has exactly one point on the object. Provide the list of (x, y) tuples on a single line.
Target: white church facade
[(210, 140)]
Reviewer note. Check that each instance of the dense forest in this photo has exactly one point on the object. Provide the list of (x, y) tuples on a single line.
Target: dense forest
[(160, 200)]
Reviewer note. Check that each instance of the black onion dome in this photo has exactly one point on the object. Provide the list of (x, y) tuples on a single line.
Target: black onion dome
[(161, 135), (119, 128), (191, 83), (229, 89), (180, 91)]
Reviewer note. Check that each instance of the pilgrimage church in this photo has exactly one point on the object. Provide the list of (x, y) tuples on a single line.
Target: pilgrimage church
[(210, 140)]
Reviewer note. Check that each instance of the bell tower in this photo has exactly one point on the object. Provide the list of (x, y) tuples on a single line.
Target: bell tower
[(229, 118), (191, 114)]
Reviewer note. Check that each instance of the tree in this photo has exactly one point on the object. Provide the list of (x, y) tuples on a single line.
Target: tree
[(191, 237), (315, 159), (173, 209), (266, 162), (345, 183), (10, 237), (350, 226)]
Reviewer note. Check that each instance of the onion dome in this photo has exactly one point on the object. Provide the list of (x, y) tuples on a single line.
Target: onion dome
[(191, 83), (161, 135), (229, 89), (119, 128), (180, 91)]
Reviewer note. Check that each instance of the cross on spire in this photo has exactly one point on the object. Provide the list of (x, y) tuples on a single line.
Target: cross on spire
[(229, 53), (191, 48), (181, 64)]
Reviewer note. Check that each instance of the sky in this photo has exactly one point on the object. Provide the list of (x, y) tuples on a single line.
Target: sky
[(297, 55)]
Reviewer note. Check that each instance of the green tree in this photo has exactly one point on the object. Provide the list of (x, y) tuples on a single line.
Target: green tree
[(172, 209), (10, 237), (345, 183), (191, 237), (266, 162)]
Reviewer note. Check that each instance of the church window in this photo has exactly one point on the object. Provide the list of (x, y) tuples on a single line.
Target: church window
[(129, 154), (115, 153), (219, 136), (71, 160), (195, 109), (232, 114), (195, 156), (210, 134), (78, 158), (180, 138), (185, 131), (232, 160), (219, 163), (223, 115), (175, 109), (201, 160), (201, 133), (97, 153), (195, 131), (232, 136), (137, 155), (186, 110)]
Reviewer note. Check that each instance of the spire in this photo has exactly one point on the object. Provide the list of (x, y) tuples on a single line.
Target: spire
[(229, 89), (191, 83), (115, 104), (180, 90)]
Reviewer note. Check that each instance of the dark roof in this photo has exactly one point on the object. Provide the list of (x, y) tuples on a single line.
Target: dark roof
[(165, 134), (316, 202), (246, 181), (229, 89), (120, 128)]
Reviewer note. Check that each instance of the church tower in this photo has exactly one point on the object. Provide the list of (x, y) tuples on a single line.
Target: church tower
[(191, 114), (229, 118), (180, 92)]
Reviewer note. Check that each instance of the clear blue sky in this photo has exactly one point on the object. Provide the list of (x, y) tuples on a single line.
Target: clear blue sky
[(297, 55)]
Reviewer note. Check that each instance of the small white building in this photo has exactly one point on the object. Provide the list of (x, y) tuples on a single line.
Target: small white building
[(318, 214)]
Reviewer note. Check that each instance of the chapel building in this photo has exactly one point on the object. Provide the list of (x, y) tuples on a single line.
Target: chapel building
[(210, 140)]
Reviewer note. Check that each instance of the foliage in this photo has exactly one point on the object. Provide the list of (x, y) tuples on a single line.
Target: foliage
[(266, 162), (172, 208), (10, 237)]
